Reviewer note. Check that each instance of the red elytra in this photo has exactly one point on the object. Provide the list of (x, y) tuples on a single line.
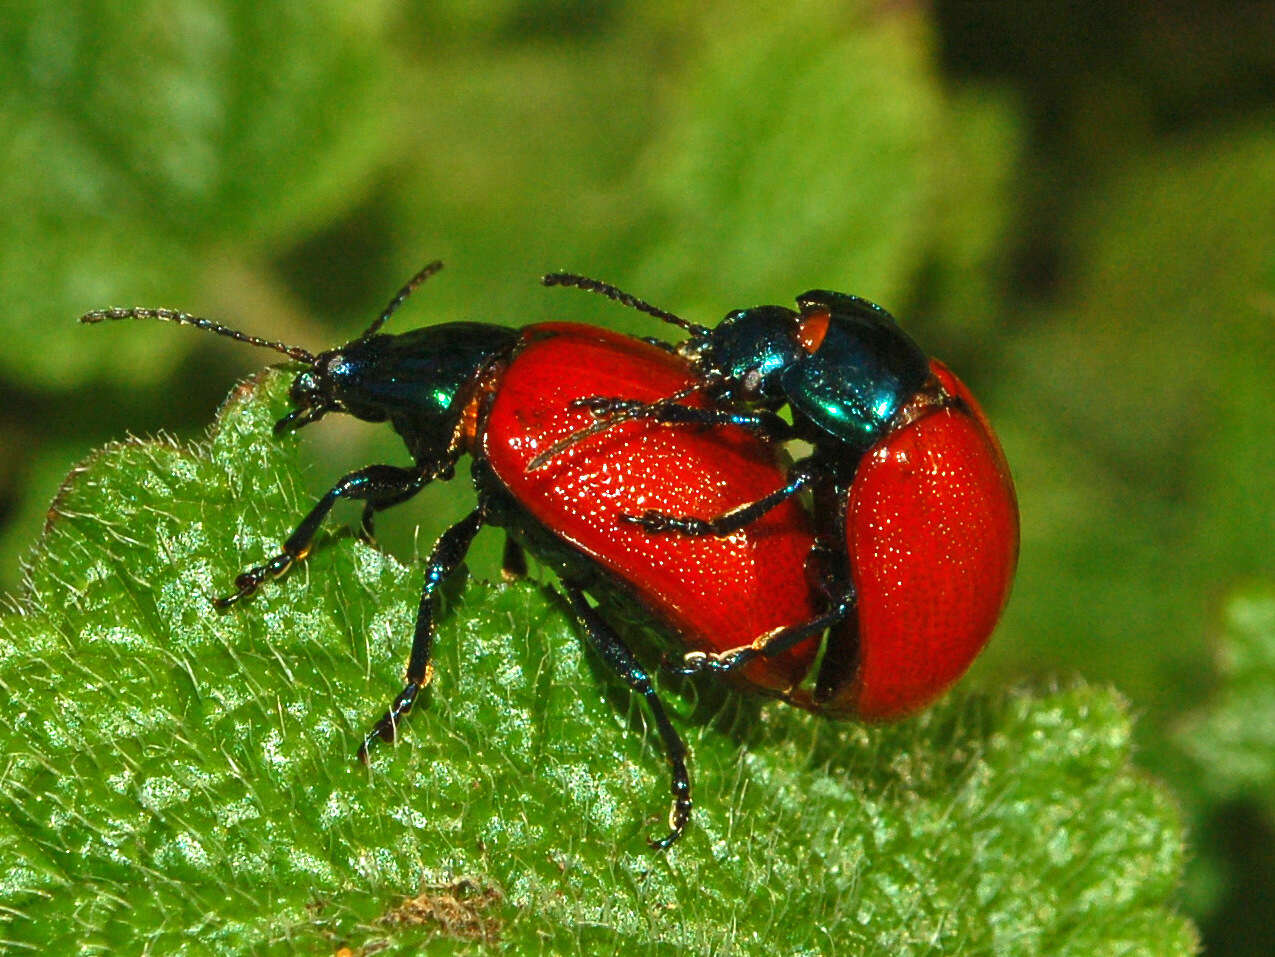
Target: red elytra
[(932, 536), (714, 594)]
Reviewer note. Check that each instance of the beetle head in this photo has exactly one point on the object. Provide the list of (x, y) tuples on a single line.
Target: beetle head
[(746, 353), (311, 398), (350, 379), (332, 381), (315, 392)]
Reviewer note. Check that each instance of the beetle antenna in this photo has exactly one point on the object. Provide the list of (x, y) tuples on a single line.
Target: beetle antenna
[(174, 315), (620, 296), (627, 414), (401, 296)]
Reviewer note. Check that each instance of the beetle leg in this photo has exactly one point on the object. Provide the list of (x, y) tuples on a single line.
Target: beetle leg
[(732, 521), (513, 562), (765, 646), (367, 531), (840, 660), (379, 485), (620, 659), (449, 551), (830, 564), (613, 411), (769, 425)]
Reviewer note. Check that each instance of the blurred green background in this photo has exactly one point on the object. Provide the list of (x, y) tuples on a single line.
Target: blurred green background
[(1072, 204)]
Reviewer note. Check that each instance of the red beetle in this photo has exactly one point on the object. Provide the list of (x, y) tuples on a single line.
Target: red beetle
[(503, 395), (932, 538), (915, 509), (711, 593)]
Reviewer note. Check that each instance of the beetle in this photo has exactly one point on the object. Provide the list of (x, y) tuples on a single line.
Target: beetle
[(503, 394), (915, 507)]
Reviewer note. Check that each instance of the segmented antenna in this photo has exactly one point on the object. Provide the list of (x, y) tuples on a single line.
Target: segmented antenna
[(607, 421), (174, 315), (620, 296), (428, 270)]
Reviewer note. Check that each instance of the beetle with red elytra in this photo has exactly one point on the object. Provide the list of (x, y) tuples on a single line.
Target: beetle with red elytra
[(915, 509), (501, 395)]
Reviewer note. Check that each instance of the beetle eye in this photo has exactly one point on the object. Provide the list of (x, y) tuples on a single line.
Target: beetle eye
[(304, 385)]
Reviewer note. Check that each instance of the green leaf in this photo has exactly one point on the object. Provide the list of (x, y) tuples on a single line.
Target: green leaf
[(185, 780)]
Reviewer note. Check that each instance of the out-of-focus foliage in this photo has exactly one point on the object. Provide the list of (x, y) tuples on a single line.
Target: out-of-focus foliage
[(1227, 750), (1143, 473), (140, 138), (1233, 738), (175, 776), (1073, 204)]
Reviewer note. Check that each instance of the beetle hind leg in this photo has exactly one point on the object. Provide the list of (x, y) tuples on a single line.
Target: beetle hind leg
[(621, 660), (765, 646)]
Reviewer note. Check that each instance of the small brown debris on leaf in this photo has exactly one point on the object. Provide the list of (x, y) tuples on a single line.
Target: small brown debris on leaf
[(460, 910)]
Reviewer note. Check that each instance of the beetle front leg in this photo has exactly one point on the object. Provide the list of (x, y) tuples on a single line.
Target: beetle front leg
[(620, 659), (766, 424), (611, 412), (379, 485), (738, 517), (449, 552)]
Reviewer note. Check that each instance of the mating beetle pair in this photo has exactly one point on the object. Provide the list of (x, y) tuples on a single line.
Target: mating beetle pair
[(914, 504), (570, 454)]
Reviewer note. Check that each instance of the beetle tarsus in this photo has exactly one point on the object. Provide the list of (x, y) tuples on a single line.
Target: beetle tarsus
[(247, 583), (660, 523), (680, 814), (386, 729), (700, 662), (601, 406)]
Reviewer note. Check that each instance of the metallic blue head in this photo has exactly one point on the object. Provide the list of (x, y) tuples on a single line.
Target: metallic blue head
[(842, 363), (747, 353)]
